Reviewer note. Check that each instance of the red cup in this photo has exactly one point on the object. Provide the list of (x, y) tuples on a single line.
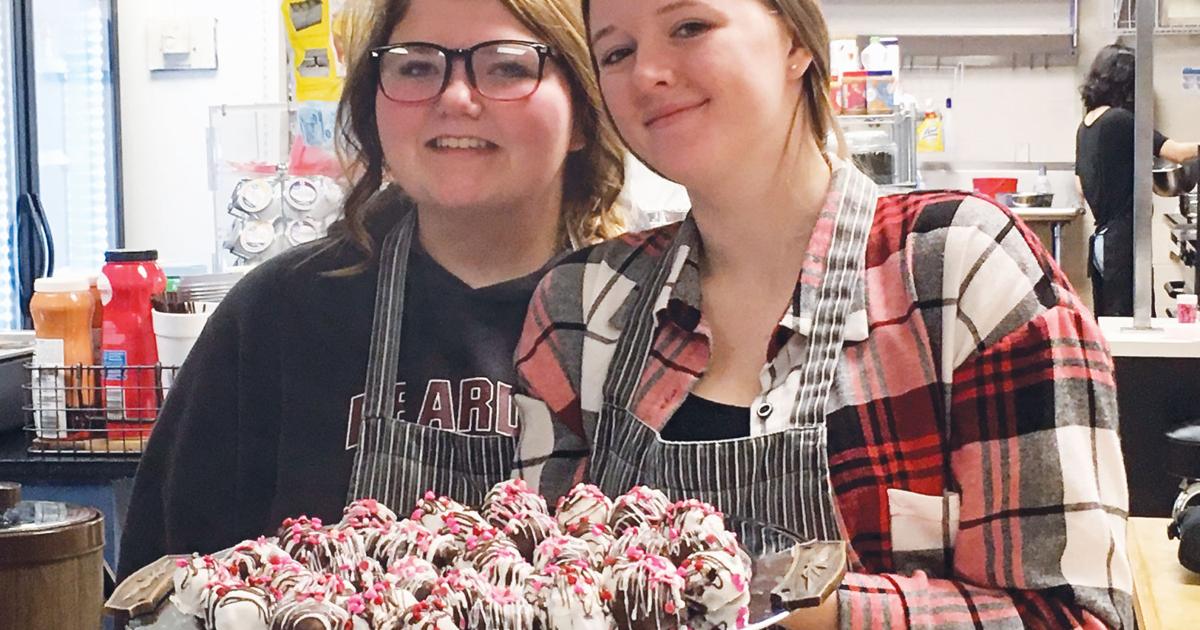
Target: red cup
[(992, 186)]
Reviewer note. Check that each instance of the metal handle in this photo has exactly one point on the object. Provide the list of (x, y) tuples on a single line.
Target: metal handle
[(47, 239)]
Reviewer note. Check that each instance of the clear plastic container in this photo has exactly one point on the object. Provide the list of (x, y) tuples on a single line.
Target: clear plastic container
[(61, 309), (874, 152), (855, 90), (881, 92), (1185, 308)]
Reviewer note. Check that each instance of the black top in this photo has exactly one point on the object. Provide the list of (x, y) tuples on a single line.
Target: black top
[(1104, 164), (702, 420), (256, 425)]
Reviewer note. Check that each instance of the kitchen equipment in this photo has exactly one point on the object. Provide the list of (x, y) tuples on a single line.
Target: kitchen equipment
[(104, 437), (16, 349), (874, 152), (1172, 179), (51, 563), (1025, 199), (884, 146), (1183, 461), (992, 186)]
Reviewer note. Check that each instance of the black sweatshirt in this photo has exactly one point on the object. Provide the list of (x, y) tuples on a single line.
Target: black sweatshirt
[(255, 427)]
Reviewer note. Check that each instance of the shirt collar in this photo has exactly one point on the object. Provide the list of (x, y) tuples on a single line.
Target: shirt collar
[(680, 299)]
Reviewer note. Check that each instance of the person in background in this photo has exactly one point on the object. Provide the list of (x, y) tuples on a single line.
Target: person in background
[(911, 374), (378, 362), (1104, 174)]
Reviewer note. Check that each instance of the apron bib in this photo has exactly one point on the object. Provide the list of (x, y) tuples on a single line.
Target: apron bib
[(776, 481), (398, 461)]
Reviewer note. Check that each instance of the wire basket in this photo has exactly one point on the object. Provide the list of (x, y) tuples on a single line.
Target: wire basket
[(86, 410)]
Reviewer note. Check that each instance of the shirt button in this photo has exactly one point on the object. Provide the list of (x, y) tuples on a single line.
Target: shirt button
[(765, 409)]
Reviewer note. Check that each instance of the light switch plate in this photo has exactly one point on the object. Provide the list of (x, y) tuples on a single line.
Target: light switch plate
[(181, 43)]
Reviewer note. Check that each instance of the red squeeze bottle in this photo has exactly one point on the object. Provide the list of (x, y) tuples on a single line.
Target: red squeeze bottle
[(126, 283)]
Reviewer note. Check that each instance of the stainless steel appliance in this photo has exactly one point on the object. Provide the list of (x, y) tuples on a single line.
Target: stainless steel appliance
[(16, 349)]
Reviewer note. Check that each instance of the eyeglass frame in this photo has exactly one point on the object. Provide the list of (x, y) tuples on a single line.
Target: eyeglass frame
[(543, 51)]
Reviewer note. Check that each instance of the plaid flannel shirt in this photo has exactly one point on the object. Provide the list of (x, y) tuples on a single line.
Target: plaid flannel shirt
[(972, 424)]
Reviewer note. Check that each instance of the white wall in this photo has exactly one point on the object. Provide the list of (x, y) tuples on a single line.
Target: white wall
[(164, 117), (1000, 115)]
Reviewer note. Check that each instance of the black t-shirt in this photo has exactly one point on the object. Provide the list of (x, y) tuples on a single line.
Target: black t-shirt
[(256, 426), (702, 420), (456, 356), (1104, 164)]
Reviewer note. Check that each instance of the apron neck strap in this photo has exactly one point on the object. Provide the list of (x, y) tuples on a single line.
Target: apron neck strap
[(856, 195), (380, 399), (636, 340)]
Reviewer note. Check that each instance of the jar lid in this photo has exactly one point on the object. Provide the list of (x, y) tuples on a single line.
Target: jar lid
[(1186, 298), (130, 255), (34, 532), (879, 73), (256, 236), (62, 284)]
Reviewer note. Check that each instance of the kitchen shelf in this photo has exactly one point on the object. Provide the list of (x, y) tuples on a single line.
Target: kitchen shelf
[(1125, 20), (966, 32)]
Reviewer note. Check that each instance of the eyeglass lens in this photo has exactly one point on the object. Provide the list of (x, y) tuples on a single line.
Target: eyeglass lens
[(499, 71)]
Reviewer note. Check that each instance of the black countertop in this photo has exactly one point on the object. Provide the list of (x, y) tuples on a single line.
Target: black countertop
[(18, 464)]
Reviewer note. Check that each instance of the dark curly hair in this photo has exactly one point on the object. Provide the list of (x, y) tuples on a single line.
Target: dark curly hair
[(1110, 80)]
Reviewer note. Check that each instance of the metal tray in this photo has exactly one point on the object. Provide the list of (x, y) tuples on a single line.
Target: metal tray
[(785, 575)]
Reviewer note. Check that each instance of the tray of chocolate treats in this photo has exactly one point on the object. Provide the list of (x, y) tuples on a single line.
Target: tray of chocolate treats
[(635, 562)]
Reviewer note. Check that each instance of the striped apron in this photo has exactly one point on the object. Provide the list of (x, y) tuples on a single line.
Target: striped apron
[(398, 461), (778, 481)]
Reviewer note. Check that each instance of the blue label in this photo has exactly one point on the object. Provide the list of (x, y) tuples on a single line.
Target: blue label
[(114, 359)]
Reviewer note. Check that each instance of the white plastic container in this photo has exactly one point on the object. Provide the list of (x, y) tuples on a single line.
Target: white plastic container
[(892, 47), (175, 334), (874, 56), (843, 56)]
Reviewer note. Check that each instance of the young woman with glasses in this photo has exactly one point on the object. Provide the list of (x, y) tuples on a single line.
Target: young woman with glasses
[(910, 374), (378, 362)]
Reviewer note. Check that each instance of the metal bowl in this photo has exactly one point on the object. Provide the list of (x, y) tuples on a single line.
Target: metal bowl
[(1172, 179), (1026, 200)]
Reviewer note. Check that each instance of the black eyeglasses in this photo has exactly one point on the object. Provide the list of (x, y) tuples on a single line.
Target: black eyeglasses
[(501, 70)]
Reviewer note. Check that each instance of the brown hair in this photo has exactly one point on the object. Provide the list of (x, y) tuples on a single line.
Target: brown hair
[(810, 31), (592, 177), (807, 23)]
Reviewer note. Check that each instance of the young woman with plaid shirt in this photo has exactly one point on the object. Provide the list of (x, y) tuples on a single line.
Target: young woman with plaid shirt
[(910, 373)]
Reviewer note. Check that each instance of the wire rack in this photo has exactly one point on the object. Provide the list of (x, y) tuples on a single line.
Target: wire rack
[(93, 410)]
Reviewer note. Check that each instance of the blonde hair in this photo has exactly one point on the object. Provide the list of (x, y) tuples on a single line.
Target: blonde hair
[(593, 176)]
